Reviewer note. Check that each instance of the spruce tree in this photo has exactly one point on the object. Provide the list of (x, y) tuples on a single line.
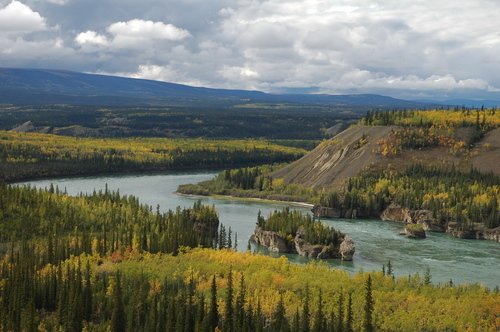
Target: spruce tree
[(229, 316), (87, 295), (318, 324), (427, 276), (214, 311), (305, 326), (259, 318), (389, 269), (240, 305), (348, 315), (279, 322), (340, 312), (118, 312), (368, 312), (296, 321)]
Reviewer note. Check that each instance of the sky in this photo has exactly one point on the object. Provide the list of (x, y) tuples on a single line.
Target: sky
[(412, 49)]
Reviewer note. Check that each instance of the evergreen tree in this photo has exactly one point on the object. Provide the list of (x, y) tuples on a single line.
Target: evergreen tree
[(368, 312), (318, 323), (296, 321), (389, 269), (214, 311), (87, 295), (240, 305), (349, 318), (427, 277), (118, 313), (340, 312), (259, 318), (279, 322), (305, 326), (229, 317), (229, 238)]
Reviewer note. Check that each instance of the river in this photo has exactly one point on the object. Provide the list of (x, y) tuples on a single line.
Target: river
[(376, 241)]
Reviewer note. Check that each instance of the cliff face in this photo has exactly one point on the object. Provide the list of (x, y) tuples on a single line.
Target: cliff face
[(270, 240), (274, 242), (477, 232), (327, 212), (397, 213)]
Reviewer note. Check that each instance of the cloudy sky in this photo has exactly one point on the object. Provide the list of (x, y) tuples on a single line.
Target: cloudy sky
[(413, 49)]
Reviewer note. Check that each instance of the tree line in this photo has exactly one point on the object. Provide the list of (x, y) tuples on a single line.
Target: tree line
[(24, 155)]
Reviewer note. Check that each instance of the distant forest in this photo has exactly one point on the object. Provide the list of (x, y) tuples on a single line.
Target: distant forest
[(273, 121), (28, 155)]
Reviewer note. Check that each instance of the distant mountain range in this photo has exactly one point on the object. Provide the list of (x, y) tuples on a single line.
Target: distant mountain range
[(465, 102), (41, 86)]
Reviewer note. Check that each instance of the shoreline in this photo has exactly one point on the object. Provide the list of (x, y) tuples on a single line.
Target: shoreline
[(309, 205), (249, 199), (113, 174)]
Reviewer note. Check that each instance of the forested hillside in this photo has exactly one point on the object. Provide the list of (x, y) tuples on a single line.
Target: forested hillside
[(25, 155)]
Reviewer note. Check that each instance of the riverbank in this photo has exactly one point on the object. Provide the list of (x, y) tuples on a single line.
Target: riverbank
[(427, 223), (376, 241), (248, 199)]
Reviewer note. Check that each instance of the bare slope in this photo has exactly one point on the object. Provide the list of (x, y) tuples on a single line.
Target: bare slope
[(335, 160), (486, 155), (356, 149)]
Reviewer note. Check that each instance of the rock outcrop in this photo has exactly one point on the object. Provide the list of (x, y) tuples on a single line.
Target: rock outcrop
[(347, 249), (477, 232), (424, 218), (306, 249), (395, 212), (415, 231), (328, 212), (455, 231), (270, 240), (325, 212), (492, 234)]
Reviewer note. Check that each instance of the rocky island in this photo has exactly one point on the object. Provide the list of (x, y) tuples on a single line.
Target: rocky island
[(293, 232)]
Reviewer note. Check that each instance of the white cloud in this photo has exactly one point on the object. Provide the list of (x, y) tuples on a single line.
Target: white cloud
[(17, 17), (91, 38), (133, 34), (236, 72), (22, 50), (158, 73), (58, 2), (135, 31), (152, 72)]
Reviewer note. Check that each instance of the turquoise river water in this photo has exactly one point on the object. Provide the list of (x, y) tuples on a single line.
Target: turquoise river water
[(463, 261)]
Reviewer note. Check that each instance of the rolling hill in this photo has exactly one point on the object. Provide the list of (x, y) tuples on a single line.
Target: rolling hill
[(43, 86)]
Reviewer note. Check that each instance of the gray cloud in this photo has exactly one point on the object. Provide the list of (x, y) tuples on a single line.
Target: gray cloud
[(419, 49)]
